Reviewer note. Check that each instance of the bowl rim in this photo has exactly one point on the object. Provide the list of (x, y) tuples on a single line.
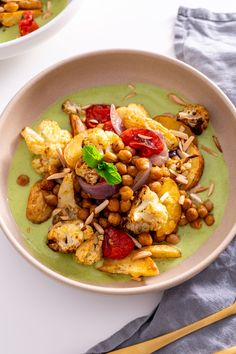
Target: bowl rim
[(189, 273), (41, 29)]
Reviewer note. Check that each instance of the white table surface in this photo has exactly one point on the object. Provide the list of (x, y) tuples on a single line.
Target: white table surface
[(37, 314)]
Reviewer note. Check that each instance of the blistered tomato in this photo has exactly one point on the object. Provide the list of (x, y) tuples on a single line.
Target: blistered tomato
[(116, 244), (97, 114), (145, 141), (108, 126), (27, 23)]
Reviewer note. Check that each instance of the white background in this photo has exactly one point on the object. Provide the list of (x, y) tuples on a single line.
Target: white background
[(37, 314)]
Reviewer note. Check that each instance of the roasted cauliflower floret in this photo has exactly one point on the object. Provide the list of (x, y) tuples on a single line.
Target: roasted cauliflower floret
[(195, 116), (45, 142), (147, 212), (89, 174), (90, 251), (66, 237)]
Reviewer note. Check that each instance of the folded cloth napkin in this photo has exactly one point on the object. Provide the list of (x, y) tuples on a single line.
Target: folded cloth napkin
[(207, 41)]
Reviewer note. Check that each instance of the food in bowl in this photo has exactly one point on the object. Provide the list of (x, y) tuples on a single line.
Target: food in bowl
[(105, 198), (21, 17)]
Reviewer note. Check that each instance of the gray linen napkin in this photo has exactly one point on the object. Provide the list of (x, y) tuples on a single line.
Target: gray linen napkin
[(207, 41)]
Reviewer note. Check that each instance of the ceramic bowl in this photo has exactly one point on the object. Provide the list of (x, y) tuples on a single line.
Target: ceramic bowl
[(22, 44), (115, 67)]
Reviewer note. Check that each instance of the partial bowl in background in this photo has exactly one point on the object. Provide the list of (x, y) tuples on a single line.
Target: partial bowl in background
[(119, 67), (22, 44)]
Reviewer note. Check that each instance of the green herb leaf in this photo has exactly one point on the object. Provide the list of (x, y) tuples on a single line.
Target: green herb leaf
[(109, 172), (91, 156)]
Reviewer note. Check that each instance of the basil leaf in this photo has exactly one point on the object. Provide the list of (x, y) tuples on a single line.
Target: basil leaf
[(109, 172), (91, 156)]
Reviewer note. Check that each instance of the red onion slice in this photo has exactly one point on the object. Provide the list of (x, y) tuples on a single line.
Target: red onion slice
[(160, 159), (100, 190), (141, 178), (116, 120)]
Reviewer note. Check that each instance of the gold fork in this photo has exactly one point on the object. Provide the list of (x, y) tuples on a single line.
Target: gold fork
[(152, 345)]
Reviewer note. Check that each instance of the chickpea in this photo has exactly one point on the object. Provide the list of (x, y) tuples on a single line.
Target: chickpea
[(145, 239), (156, 173), (196, 224), (118, 145), (124, 156), (160, 238), (202, 211), (191, 214), (125, 206), (165, 172), (121, 167), (132, 170), (114, 205), (47, 185), (183, 193), (183, 221), (83, 214), (209, 220), (187, 204), (142, 163), (51, 199), (127, 180), (133, 151), (56, 189), (110, 157), (209, 205), (86, 203), (173, 239), (23, 180), (103, 222), (114, 219), (84, 195), (155, 186), (126, 193), (11, 7), (134, 159)]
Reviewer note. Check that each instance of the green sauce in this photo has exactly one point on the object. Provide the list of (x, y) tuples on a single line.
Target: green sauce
[(156, 102), (10, 33)]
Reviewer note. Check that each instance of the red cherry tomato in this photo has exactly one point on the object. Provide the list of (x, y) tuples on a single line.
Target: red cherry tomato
[(96, 114), (108, 126), (145, 141), (27, 24), (116, 244)]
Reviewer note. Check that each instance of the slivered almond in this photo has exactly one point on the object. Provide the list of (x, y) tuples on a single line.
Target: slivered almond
[(179, 134), (182, 154), (131, 87), (181, 179), (95, 121), (211, 189), (173, 172), (61, 157), (145, 136), (98, 228), (188, 143), (209, 151), (137, 244), (59, 174), (56, 211), (89, 219), (164, 197), (130, 95), (181, 199), (217, 143), (85, 107), (141, 254), (101, 206), (174, 98), (195, 198), (199, 189)]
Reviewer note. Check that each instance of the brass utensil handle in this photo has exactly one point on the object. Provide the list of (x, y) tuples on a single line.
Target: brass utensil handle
[(152, 345), (231, 350)]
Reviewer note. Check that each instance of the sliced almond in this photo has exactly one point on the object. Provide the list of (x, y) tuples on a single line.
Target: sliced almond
[(188, 143), (137, 244), (179, 134), (101, 206), (59, 174), (130, 95), (174, 98), (61, 157), (131, 87), (211, 189), (98, 227), (89, 219), (199, 189), (209, 151), (145, 136), (181, 199), (195, 198), (164, 197), (217, 143), (181, 179), (141, 255)]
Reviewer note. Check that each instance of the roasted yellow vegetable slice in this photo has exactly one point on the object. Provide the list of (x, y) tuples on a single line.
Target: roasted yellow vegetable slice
[(73, 150), (169, 196), (135, 268), (163, 251), (9, 19), (197, 167)]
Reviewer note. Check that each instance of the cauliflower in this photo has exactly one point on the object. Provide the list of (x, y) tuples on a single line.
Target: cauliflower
[(147, 213), (45, 143), (89, 174), (66, 237), (195, 116), (90, 251)]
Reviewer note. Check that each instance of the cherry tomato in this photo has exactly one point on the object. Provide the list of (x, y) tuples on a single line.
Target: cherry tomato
[(116, 244), (97, 113), (108, 126), (27, 23), (145, 141)]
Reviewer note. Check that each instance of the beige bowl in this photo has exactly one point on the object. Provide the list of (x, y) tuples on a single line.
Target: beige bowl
[(115, 67)]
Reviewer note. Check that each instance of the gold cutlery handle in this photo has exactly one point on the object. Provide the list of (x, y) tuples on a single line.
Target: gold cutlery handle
[(231, 350)]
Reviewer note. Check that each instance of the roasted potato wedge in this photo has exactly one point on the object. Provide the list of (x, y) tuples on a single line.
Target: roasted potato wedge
[(38, 210), (196, 169), (172, 205), (135, 268), (134, 117), (73, 150), (174, 124), (9, 19), (163, 251)]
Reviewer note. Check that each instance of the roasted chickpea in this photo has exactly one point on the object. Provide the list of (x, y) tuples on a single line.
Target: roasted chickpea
[(114, 219), (196, 224), (47, 185), (127, 180), (56, 189), (86, 203), (124, 156), (155, 186), (165, 172), (156, 173), (132, 170), (83, 214), (84, 195), (126, 193), (51, 199), (187, 204), (173, 239), (110, 157), (183, 193), (121, 167), (142, 163), (209, 220), (114, 205), (202, 211), (117, 146), (145, 239), (125, 206), (209, 205), (191, 214), (23, 180), (134, 159), (103, 222), (160, 238), (183, 221), (133, 151)]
